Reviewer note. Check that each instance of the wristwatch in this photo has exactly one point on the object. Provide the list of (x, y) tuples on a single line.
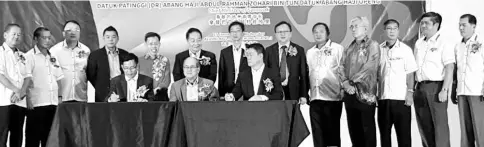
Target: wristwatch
[(411, 90)]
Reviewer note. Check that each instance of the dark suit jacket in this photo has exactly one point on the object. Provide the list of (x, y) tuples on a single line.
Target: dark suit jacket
[(98, 72), (120, 86), (206, 71), (245, 88), (297, 66), (226, 70)]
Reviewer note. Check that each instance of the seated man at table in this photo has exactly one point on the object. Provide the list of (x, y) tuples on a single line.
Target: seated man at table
[(193, 87), (130, 86), (259, 83)]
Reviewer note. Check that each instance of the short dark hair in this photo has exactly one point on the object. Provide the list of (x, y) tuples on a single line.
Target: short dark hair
[(10, 26), (191, 30), (281, 23), (110, 28), (38, 31), (129, 56), (152, 34), (71, 21), (259, 48), (387, 22), (237, 23), (325, 27), (472, 19), (434, 17)]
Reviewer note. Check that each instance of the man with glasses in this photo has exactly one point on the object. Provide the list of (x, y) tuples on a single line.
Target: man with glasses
[(396, 80), (104, 64), (259, 83), (290, 59), (435, 61), (12, 103), (232, 60), (72, 56), (130, 86), (359, 67), (193, 87), (207, 59)]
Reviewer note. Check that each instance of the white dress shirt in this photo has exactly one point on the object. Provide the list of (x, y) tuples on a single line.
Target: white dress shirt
[(288, 45), (131, 88), (431, 56), (323, 64), (44, 74), (192, 90), (73, 64), (470, 67), (114, 66), (195, 55), (256, 78), (395, 64), (14, 70), (237, 53)]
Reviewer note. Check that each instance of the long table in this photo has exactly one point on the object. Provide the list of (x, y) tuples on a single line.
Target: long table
[(178, 124)]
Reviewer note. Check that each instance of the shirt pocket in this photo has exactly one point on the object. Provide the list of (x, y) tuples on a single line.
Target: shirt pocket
[(397, 64)]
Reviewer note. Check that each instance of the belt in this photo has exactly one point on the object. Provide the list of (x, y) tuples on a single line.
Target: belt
[(429, 82)]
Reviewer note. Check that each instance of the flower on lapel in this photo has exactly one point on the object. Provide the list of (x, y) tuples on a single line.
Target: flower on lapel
[(204, 60), (327, 51), (141, 91), (362, 50), (159, 66), (204, 92), (292, 51), (268, 84), (433, 49), (82, 54), (20, 57), (475, 46), (53, 60)]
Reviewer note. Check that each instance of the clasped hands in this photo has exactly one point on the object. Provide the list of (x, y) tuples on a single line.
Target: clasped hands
[(17, 95), (115, 98)]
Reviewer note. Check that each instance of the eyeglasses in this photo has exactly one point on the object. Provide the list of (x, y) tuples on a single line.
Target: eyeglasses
[(282, 32), (189, 67), (391, 29), (129, 68), (72, 30), (354, 27)]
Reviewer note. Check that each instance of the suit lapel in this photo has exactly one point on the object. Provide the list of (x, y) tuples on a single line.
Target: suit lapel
[(139, 82), (231, 59), (289, 58), (124, 86), (183, 89), (261, 83), (105, 60), (243, 61), (276, 50), (250, 87)]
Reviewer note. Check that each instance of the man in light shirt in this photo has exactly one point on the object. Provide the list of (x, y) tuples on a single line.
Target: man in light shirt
[(131, 86), (435, 61), (12, 64), (43, 75), (396, 82), (72, 56), (104, 64), (326, 106), (193, 87), (232, 59), (470, 81)]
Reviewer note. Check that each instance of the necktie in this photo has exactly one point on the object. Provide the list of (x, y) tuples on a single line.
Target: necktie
[(113, 52), (283, 64)]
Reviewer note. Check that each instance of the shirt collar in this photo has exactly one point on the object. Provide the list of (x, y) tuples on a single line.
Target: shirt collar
[(134, 78), (115, 50), (37, 50), (433, 38), (197, 53), (473, 37), (259, 70), (366, 39), (64, 44), (396, 45), (242, 46), (7, 48), (287, 44), (190, 83), (327, 44)]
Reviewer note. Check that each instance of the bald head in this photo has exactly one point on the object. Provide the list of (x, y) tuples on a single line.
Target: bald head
[(191, 67)]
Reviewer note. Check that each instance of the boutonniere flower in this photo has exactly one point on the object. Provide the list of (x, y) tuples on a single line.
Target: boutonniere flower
[(141, 91), (475, 46), (204, 92), (204, 60), (327, 51), (433, 49), (268, 84), (159, 66), (292, 51), (362, 50), (53, 60), (82, 54), (20, 57)]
